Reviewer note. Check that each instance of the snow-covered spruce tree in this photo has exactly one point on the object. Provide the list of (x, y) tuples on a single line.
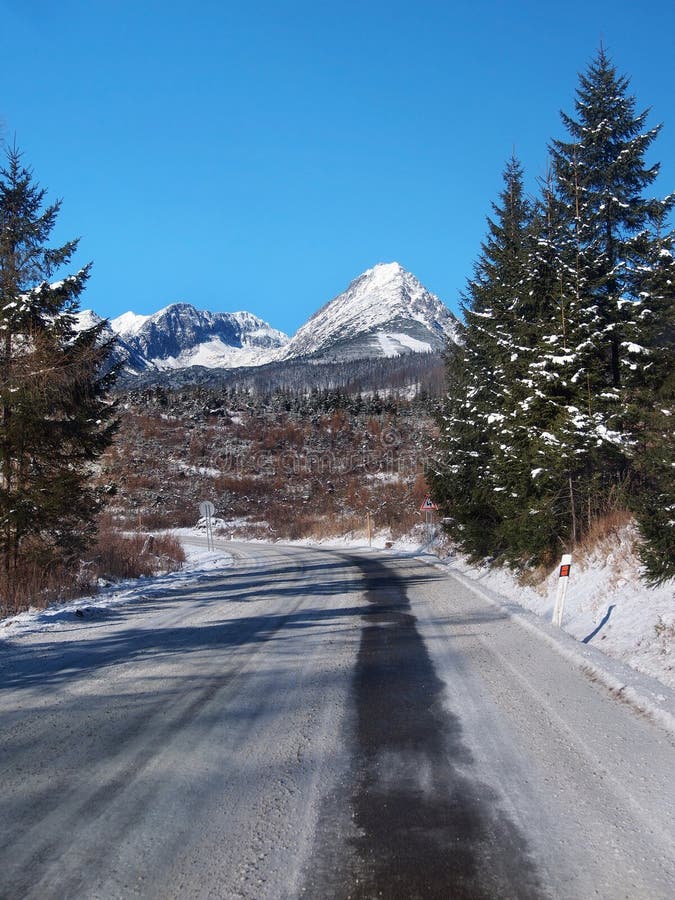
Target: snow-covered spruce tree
[(468, 477), (529, 465), (601, 175), (54, 418), (560, 399)]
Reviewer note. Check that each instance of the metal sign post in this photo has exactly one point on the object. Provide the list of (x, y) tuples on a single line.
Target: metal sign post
[(207, 509), (428, 507), (563, 578)]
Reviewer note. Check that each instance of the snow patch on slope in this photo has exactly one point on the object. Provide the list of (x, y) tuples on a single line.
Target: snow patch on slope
[(215, 354), (395, 344)]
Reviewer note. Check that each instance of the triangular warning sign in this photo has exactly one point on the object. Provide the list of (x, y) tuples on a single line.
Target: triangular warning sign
[(428, 504)]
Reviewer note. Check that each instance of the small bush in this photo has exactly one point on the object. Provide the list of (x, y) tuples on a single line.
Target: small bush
[(119, 555)]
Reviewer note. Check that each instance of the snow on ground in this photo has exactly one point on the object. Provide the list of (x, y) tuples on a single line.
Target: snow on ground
[(61, 616), (207, 471)]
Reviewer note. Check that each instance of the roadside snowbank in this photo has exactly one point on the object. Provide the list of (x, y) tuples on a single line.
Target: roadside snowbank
[(60, 616), (607, 606)]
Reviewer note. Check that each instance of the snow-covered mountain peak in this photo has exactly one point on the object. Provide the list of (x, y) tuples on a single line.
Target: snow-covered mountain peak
[(374, 295), (85, 319), (128, 323), (383, 273), (384, 312)]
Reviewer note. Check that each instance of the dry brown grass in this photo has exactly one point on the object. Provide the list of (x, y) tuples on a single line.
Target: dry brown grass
[(603, 529), (310, 471), (120, 555), (35, 583), (602, 535)]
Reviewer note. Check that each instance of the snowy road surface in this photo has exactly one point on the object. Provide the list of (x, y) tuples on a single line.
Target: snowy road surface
[(322, 724)]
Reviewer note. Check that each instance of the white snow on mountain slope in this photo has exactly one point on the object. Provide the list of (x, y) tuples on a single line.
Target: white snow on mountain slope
[(216, 354), (395, 344), (387, 311), (128, 323)]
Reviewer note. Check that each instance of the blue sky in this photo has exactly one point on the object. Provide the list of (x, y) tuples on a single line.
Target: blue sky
[(259, 156)]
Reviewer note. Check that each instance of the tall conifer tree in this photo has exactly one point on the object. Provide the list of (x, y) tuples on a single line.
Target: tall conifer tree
[(480, 376), (601, 178), (601, 175), (54, 418), (650, 406), (529, 458)]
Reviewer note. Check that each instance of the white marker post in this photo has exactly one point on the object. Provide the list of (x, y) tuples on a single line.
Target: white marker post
[(563, 578), (207, 509)]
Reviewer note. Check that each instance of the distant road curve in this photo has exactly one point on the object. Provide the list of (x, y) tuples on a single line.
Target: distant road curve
[(322, 724)]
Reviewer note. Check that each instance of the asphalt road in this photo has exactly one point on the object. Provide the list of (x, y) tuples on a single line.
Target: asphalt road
[(322, 724)]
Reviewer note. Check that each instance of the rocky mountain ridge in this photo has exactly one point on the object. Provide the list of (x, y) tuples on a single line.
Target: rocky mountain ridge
[(180, 336), (385, 312)]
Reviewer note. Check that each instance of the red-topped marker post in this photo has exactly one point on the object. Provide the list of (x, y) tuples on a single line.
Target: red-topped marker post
[(563, 579)]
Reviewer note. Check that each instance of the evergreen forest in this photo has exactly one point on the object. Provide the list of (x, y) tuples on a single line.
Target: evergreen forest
[(558, 405)]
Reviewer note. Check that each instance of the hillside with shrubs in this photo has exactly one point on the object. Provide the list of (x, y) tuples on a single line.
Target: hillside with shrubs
[(276, 466)]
